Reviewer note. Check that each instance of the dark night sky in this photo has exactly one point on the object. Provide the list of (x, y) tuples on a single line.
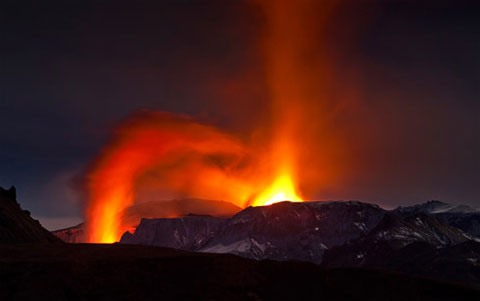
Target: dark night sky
[(69, 72)]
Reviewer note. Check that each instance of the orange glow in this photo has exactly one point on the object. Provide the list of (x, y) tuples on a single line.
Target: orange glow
[(192, 157), (161, 151), (167, 153), (282, 189)]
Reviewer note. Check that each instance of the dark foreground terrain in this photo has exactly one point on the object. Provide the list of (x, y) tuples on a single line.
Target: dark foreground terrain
[(90, 271)]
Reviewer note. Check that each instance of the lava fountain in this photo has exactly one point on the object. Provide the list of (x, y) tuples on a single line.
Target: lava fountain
[(169, 152)]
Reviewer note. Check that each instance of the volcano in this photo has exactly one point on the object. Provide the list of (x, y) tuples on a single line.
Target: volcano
[(232, 150)]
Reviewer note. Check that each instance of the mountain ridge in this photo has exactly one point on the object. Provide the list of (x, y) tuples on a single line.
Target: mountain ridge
[(332, 234)]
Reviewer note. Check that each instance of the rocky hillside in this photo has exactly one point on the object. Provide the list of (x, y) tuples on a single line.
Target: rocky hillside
[(417, 245), (463, 217), (16, 225), (283, 231), (334, 234)]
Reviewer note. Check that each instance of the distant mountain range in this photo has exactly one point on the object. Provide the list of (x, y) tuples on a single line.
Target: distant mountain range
[(463, 217), (432, 239)]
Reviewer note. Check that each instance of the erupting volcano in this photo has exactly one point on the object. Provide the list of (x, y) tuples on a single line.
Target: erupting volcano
[(159, 151), (166, 152), (240, 149)]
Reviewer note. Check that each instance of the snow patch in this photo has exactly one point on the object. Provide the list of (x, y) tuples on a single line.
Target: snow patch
[(238, 247), (472, 260), (361, 226)]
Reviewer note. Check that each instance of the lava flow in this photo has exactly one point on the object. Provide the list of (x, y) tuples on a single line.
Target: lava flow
[(174, 154)]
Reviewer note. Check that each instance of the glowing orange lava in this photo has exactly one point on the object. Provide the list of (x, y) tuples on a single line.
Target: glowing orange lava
[(282, 189)]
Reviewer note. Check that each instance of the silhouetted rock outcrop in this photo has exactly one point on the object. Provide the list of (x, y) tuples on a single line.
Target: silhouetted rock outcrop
[(16, 225)]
